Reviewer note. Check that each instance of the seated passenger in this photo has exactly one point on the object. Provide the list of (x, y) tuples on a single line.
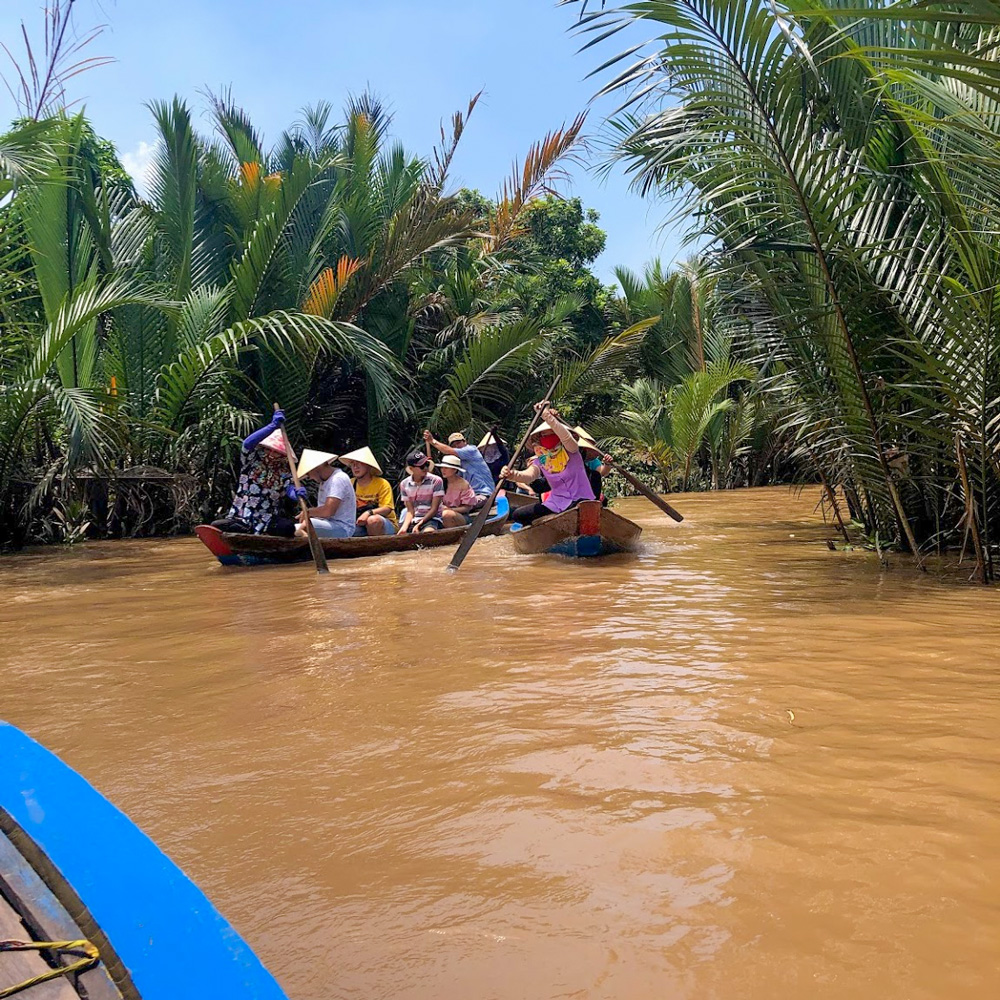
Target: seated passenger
[(476, 470), (459, 498), (258, 506), (422, 493), (495, 454), (558, 459), (334, 514), (376, 512), (594, 462)]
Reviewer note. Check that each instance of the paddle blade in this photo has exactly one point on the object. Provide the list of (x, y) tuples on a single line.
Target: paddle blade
[(469, 538)]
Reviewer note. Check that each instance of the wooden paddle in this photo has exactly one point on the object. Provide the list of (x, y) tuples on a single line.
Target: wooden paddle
[(315, 546), (646, 491), (469, 538)]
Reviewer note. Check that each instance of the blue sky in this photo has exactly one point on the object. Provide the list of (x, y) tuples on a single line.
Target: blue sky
[(425, 58)]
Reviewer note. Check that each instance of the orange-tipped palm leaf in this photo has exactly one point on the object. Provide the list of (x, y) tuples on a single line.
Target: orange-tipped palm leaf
[(326, 289), (536, 178)]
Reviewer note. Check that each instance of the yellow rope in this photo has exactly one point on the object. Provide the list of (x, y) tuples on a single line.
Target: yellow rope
[(90, 959)]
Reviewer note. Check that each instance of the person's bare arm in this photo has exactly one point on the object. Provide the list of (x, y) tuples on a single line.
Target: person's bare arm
[(526, 476), (565, 435), (445, 449), (407, 517)]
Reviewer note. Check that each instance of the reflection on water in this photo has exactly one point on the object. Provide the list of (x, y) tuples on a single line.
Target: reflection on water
[(735, 765)]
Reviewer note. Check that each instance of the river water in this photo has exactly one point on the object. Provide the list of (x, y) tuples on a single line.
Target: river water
[(736, 765)]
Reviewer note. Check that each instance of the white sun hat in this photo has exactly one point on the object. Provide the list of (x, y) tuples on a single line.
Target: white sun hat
[(451, 462)]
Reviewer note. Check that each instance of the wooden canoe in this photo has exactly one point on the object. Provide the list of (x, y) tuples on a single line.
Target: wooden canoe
[(588, 529), (75, 870), (520, 499), (261, 550)]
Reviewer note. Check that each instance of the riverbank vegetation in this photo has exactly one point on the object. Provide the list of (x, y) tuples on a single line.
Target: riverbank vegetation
[(841, 160), (837, 164)]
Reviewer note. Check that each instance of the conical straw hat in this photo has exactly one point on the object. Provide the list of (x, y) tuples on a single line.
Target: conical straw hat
[(487, 439), (586, 439), (542, 428), (312, 459), (363, 455), (275, 441)]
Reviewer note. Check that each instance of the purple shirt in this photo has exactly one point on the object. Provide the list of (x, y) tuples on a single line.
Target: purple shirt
[(566, 475)]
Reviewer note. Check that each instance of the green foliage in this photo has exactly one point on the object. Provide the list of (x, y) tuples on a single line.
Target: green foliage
[(843, 163), (332, 274)]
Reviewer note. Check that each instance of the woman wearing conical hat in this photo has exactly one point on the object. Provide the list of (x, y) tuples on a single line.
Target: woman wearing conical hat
[(594, 461), (334, 514), (558, 458), (258, 506), (376, 513)]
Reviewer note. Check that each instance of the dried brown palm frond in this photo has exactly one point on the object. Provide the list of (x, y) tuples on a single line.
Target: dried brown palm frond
[(444, 153), (538, 176)]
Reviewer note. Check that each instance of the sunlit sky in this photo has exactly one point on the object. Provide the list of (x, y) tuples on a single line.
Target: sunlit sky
[(424, 58)]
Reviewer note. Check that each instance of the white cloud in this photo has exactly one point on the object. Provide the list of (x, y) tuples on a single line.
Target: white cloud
[(139, 163)]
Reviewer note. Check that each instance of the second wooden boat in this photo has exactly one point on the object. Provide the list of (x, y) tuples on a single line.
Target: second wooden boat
[(259, 550), (588, 529)]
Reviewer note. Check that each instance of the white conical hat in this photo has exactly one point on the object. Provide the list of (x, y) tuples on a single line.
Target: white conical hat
[(312, 459), (586, 438), (363, 455), (487, 439)]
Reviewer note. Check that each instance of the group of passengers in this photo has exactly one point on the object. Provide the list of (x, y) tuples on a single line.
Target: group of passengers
[(566, 468)]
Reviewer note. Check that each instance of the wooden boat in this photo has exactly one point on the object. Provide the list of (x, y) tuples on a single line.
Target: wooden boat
[(516, 500), (260, 550), (588, 529), (121, 920)]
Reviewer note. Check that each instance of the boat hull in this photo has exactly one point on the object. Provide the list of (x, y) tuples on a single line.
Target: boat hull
[(585, 531), (264, 550), (74, 866), (520, 499)]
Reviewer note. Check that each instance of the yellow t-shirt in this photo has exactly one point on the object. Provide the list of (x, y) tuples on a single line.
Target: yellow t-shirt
[(379, 493)]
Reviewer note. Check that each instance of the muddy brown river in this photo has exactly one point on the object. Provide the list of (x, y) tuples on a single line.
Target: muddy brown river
[(735, 765)]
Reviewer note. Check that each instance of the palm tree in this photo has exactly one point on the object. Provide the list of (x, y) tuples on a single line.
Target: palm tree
[(840, 164)]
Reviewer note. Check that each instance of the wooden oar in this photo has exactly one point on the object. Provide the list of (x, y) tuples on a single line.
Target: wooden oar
[(315, 546), (469, 538), (646, 491)]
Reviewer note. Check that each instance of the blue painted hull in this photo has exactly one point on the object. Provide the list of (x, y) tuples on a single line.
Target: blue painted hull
[(173, 942), (584, 531), (585, 547)]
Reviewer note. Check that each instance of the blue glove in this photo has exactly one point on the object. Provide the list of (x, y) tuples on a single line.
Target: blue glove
[(294, 492), (279, 418)]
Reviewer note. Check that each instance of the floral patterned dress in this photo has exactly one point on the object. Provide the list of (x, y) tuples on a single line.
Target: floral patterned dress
[(260, 491)]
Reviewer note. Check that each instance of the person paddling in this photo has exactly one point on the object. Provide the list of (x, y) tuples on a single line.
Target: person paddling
[(422, 493), (476, 470), (258, 506), (334, 513), (376, 512), (558, 459)]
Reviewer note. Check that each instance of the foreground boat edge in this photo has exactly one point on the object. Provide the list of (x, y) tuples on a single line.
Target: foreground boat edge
[(168, 935)]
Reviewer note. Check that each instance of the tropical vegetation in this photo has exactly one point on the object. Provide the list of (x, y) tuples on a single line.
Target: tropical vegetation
[(835, 163), (840, 158)]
